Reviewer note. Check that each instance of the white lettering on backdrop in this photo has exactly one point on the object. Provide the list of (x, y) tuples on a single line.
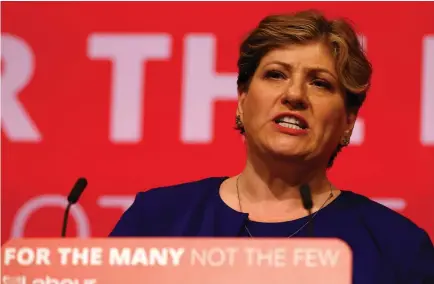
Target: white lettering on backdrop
[(18, 67), (26, 211), (427, 98), (202, 86), (129, 54)]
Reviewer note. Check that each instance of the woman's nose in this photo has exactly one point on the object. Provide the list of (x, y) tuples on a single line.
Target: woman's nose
[(295, 95)]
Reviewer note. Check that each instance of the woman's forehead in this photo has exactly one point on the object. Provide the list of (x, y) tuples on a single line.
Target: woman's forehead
[(312, 55)]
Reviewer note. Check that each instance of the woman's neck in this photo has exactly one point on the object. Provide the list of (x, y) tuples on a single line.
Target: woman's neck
[(274, 180)]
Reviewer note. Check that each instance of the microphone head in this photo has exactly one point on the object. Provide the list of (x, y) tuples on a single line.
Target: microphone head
[(77, 190), (306, 197)]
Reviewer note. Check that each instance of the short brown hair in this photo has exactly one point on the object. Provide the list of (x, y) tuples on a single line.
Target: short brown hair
[(276, 31)]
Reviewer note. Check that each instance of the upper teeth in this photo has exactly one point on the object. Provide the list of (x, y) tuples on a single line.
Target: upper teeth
[(291, 120)]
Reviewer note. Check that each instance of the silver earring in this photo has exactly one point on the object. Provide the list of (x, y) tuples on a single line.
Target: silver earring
[(238, 122)]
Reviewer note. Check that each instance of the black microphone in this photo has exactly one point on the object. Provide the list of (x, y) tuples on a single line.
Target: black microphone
[(306, 198), (73, 197)]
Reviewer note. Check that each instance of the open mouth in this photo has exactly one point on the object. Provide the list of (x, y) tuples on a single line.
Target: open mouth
[(291, 121)]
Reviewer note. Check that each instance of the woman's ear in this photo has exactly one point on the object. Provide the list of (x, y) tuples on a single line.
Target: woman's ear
[(351, 121), (241, 100), (349, 126)]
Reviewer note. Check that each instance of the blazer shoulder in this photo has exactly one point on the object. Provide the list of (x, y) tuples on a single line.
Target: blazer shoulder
[(156, 210), (377, 213), (396, 236), (186, 190)]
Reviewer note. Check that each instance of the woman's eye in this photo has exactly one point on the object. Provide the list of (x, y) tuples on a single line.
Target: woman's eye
[(322, 84), (273, 74)]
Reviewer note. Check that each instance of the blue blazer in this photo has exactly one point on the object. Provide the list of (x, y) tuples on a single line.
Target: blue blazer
[(387, 247)]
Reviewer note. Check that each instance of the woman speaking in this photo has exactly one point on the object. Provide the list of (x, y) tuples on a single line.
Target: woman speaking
[(301, 82)]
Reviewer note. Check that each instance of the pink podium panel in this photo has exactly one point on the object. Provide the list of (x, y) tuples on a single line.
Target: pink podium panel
[(176, 260)]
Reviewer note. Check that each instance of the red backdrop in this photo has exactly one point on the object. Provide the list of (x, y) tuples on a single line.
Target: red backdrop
[(138, 95)]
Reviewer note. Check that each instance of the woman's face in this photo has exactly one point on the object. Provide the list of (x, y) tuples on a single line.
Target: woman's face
[(294, 107)]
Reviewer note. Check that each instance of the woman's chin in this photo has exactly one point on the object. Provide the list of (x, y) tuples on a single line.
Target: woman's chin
[(288, 151), (284, 148)]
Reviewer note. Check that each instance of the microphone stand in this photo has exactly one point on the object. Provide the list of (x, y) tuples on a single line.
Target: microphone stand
[(65, 219), (306, 198), (73, 197), (310, 226)]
